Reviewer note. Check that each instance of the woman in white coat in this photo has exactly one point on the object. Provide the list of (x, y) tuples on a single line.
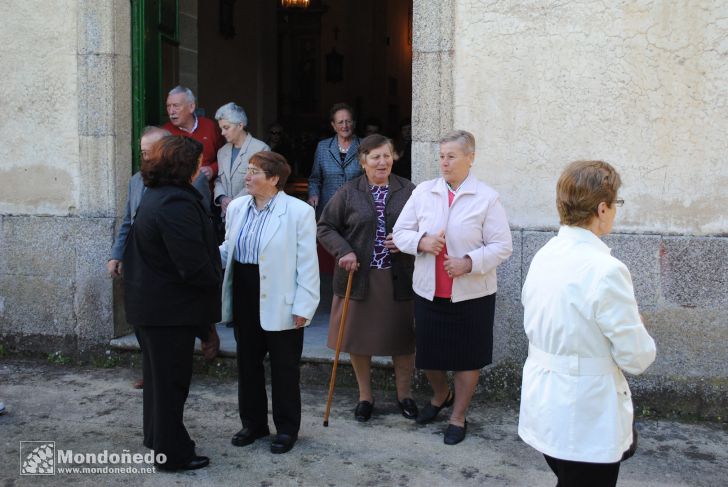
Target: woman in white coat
[(584, 329), (270, 292), (233, 157)]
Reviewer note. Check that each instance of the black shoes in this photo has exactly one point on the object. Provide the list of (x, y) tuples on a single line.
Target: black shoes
[(246, 436), (194, 464), (363, 411), (283, 443), (455, 434), (408, 408), (430, 411)]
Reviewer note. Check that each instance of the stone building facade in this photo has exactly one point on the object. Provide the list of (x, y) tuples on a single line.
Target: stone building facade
[(639, 84)]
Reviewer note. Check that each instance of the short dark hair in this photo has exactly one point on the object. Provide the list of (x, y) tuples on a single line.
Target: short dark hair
[(375, 141), (173, 160), (580, 189), (340, 106), (272, 164)]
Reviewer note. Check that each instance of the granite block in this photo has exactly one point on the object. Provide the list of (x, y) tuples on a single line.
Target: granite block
[(97, 191), (691, 342), (93, 297), (95, 94), (432, 97), (37, 304), (122, 28), (694, 271), (532, 243), (37, 247), (433, 25), (96, 26), (640, 254), (509, 272), (425, 163), (509, 339)]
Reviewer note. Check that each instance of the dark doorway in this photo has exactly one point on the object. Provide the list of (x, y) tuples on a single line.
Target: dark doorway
[(290, 65)]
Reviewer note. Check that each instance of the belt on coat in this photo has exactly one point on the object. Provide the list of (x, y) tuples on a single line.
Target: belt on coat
[(571, 364)]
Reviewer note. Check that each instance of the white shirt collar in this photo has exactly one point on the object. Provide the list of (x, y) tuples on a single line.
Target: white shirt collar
[(583, 235)]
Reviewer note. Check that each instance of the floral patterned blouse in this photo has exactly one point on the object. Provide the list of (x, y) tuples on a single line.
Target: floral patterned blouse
[(380, 254)]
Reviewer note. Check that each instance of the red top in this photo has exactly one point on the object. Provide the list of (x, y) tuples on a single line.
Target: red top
[(208, 133), (443, 282)]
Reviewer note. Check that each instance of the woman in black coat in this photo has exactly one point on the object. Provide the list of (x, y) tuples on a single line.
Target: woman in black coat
[(172, 278)]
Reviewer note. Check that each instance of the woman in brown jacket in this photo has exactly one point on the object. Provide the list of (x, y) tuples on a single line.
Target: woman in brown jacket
[(356, 226)]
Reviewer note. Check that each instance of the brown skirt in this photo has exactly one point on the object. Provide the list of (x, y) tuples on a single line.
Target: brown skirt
[(377, 325)]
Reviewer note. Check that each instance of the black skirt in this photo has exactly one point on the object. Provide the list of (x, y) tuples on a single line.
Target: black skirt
[(454, 336)]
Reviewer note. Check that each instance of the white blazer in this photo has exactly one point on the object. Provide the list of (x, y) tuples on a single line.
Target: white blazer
[(287, 260), (475, 225), (583, 329), (230, 179)]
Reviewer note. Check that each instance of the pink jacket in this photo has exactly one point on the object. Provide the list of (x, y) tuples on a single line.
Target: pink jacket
[(474, 225)]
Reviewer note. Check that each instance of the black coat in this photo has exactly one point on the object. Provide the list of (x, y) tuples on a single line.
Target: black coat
[(172, 269), (349, 224)]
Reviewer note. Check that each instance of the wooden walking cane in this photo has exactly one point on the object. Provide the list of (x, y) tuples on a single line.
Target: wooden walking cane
[(340, 338)]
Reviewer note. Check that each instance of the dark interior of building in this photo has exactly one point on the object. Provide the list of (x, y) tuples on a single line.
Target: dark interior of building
[(284, 61)]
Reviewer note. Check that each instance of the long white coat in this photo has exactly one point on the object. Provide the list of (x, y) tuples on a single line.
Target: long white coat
[(287, 260), (584, 329)]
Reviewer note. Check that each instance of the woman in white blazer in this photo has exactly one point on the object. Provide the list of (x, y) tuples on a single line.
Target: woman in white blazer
[(270, 293), (584, 329), (233, 157)]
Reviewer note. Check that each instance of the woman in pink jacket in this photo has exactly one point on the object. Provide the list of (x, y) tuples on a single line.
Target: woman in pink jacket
[(456, 227)]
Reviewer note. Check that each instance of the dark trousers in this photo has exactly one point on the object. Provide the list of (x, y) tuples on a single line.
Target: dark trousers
[(167, 368), (253, 343), (579, 474)]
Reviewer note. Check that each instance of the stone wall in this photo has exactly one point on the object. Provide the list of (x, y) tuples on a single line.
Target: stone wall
[(65, 161), (635, 83)]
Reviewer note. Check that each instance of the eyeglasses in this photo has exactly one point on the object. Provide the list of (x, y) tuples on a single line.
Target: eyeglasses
[(275, 132), (341, 123), (619, 202), (254, 170)]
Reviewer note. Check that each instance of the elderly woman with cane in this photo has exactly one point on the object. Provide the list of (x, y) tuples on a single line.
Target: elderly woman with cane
[(456, 227), (584, 329), (270, 293), (355, 228)]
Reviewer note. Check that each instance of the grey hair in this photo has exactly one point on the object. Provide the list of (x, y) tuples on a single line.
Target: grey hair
[(463, 137), (155, 133), (182, 89), (232, 113)]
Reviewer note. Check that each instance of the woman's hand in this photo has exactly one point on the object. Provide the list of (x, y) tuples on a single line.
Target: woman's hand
[(207, 171), (114, 267), (348, 262), (298, 321), (389, 243), (457, 266), (224, 202), (313, 201), (432, 244)]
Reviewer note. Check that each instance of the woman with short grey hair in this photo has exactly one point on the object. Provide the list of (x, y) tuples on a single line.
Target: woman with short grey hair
[(233, 157), (456, 228)]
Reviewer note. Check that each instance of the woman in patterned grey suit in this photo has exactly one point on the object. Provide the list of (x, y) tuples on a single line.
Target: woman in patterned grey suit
[(356, 227), (335, 161)]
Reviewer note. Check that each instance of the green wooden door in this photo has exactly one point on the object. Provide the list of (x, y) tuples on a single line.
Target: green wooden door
[(155, 63)]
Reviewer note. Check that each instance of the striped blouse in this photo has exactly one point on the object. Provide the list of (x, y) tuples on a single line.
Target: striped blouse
[(251, 232)]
